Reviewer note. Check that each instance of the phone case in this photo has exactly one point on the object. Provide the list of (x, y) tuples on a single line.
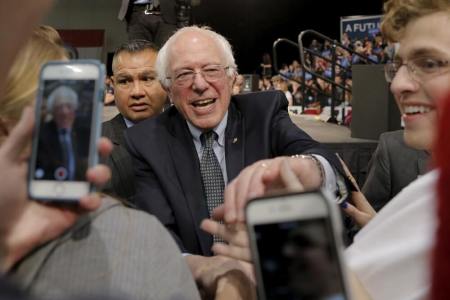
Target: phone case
[(336, 224), (95, 129)]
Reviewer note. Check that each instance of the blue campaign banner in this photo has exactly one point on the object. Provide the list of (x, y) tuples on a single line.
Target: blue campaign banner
[(359, 27)]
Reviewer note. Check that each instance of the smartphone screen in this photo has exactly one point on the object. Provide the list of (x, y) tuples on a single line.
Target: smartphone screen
[(64, 130), (68, 107), (298, 260)]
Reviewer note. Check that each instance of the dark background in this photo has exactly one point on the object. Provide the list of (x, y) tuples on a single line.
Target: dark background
[(252, 26)]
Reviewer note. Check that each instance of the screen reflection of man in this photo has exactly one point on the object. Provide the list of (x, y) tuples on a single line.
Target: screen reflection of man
[(312, 265), (61, 156)]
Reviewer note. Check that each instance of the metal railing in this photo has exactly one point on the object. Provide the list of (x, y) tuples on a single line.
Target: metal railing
[(309, 56)]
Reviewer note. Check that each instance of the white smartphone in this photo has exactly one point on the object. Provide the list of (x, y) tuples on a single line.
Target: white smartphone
[(68, 117), (296, 245)]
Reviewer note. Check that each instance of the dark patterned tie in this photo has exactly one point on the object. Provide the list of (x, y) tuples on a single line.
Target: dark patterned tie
[(212, 177), (69, 158)]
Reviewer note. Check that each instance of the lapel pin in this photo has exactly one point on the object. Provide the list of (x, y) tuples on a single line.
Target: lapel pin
[(235, 140)]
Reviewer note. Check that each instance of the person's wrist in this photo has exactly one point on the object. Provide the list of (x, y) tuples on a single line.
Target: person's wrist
[(316, 163), (234, 284), (8, 255), (19, 241)]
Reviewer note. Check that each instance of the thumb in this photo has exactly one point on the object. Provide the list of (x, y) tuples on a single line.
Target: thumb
[(358, 216)]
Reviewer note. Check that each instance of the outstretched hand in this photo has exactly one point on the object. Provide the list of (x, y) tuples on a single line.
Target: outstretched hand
[(265, 177), (208, 271), (235, 234)]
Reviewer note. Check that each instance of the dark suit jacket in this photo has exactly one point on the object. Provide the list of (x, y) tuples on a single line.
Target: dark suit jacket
[(167, 8), (167, 168), (51, 151), (122, 180), (393, 166)]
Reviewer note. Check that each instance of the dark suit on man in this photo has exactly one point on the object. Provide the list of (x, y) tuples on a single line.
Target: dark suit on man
[(167, 168), (393, 166), (122, 179), (52, 154)]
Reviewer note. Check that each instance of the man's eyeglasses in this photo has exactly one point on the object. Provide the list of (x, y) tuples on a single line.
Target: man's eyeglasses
[(210, 73), (419, 69)]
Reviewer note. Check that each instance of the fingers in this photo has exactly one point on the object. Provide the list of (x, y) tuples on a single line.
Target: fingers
[(307, 170), (90, 202), (104, 146), (289, 178), (249, 184), (358, 216), (20, 136), (361, 212), (229, 203), (353, 212), (210, 226), (360, 201), (235, 195), (241, 191), (218, 213), (249, 270), (235, 234), (98, 175), (240, 253), (257, 186)]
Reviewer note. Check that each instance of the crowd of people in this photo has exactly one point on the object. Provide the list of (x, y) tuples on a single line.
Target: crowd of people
[(304, 88), (190, 152)]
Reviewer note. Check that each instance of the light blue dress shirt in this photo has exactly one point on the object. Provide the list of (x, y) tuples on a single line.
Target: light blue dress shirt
[(218, 146)]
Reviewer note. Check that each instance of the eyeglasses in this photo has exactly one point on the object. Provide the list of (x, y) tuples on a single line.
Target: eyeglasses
[(210, 73), (420, 68)]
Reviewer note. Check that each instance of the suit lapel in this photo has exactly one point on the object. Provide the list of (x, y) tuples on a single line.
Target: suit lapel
[(120, 156), (118, 139), (422, 162), (187, 167), (234, 143), (118, 126)]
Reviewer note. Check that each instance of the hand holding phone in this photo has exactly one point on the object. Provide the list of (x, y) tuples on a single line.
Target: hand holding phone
[(22, 222), (360, 209), (68, 126), (295, 244)]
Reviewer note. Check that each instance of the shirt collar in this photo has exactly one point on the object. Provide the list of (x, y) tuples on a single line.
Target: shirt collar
[(128, 123), (219, 130)]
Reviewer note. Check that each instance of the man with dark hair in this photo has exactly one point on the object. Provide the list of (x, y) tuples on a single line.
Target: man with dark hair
[(138, 96)]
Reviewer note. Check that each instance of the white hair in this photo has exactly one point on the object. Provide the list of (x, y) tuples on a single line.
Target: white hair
[(162, 60), (62, 95)]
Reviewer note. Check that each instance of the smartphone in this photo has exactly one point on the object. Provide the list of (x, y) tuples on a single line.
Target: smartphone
[(295, 240), (68, 117)]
